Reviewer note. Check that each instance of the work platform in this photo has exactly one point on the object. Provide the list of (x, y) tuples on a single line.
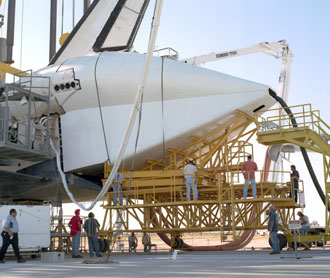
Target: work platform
[(155, 197), (156, 201), (302, 126), (25, 136)]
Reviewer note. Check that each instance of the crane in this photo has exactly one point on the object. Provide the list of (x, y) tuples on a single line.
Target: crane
[(278, 50)]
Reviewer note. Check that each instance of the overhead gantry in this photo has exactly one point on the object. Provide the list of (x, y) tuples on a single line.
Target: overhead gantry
[(156, 195)]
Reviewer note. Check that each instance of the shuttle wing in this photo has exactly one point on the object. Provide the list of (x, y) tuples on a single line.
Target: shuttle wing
[(107, 25), (40, 182)]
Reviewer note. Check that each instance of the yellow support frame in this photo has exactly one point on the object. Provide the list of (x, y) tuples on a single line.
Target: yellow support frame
[(310, 132), (156, 198)]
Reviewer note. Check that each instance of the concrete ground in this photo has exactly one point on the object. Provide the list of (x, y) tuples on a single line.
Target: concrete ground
[(187, 264)]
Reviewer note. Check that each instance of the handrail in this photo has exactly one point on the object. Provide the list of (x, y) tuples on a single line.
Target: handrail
[(170, 188), (278, 121)]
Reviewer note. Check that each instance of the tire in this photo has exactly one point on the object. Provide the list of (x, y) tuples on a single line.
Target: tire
[(177, 243), (181, 243), (106, 245), (319, 242), (281, 240), (101, 244)]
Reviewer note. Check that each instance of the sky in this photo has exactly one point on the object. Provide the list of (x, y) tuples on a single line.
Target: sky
[(194, 27)]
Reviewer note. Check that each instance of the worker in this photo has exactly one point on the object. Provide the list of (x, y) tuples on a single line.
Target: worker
[(305, 226), (273, 229), (117, 188), (248, 168), (75, 226), (304, 221), (146, 241), (189, 172), (294, 178), (92, 228), (132, 243), (10, 236)]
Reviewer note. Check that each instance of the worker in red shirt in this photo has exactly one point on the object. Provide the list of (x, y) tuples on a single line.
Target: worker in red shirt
[(248, 169), (75, 226)]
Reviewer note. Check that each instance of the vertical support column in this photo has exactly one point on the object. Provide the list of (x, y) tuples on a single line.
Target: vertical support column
[(10, 31), (59, 229), (52, 32), (326, 167), (147, 220), (3, 52), (87, 3), (232, 197), (221, 210), (60, 226)]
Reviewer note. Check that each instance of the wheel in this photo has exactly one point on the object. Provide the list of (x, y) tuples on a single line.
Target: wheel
[(101, 244), (281, 240), (319, 243), (181, 243), (178, 242), (106, 245)]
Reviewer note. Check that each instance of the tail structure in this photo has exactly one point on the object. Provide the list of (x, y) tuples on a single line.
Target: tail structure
[(106, 25)]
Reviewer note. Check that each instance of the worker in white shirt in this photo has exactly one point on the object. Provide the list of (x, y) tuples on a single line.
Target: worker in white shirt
[(305, 226), (304, 221), (189, 172)]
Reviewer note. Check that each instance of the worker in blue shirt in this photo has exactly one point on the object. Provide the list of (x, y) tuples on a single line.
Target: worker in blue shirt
[(10, 236), (117, 188), (273, 229)]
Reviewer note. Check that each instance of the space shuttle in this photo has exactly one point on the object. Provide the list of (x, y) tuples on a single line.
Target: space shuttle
[(92, 82)]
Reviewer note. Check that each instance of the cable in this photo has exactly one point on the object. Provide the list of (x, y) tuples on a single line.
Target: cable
[(135, 148), (152, 38), (100, 108), (162, 96)]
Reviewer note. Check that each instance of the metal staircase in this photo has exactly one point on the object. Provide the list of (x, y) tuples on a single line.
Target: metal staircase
[(303, 127)]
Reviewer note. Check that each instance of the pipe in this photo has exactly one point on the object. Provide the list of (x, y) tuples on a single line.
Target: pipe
[(10, 31), (52, 32), (87, 3)]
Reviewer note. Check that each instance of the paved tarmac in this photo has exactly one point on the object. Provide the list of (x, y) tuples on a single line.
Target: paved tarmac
[(187, 264)]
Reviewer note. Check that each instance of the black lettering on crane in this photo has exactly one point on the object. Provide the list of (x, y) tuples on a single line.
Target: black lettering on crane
[(226, 54)]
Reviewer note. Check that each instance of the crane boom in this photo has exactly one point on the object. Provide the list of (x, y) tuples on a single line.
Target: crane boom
[(279, 50)]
